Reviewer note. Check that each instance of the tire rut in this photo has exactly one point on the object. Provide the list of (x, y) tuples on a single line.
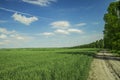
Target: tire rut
[(112, 67), (105, 67)]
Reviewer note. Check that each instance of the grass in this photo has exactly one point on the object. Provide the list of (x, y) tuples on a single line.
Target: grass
[(115, 52), (45, 64)]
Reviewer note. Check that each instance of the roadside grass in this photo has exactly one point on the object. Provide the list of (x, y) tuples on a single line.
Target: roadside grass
[(45, 64), (115, 52)]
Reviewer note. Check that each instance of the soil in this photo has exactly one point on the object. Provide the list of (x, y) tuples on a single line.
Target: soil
[(105, 67)]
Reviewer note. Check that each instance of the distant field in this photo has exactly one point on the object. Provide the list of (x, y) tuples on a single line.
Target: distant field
[(45, 64)]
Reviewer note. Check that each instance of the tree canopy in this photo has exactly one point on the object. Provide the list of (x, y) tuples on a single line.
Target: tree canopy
[(96, 44), (112, 26)]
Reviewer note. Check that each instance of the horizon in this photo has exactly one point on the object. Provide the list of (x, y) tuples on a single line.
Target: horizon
[(51, 23)]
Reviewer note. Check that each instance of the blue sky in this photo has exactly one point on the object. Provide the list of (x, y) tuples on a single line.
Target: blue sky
[(51, 23)]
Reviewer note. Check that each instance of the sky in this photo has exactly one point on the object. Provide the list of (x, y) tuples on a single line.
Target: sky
[(51, 23)]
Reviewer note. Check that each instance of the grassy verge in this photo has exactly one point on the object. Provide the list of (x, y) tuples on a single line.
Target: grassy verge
[(115, 52)]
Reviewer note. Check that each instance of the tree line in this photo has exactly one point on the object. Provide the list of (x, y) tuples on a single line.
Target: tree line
[(111, 31), (96, 44)]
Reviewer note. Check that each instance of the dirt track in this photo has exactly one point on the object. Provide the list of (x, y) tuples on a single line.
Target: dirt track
[(105, 67)]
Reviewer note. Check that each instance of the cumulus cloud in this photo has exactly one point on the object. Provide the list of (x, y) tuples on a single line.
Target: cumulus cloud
[(17, 36), (5, 31), (20, 38), (12, 37), (81, 24), (23, 19), (60, 31), (60, 24), (48, 34), (68, 31), (11, 34), (3, 36), (64, 28), (4, 42), (75, 31), (39, 2)]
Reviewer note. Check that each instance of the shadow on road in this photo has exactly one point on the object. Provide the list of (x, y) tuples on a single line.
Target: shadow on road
[(107, 57), (97, 56)]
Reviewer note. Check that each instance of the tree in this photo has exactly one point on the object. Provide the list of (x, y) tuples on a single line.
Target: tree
[(96, 44), (112, 26)]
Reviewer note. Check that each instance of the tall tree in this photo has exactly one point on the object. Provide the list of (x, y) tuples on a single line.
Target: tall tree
[(112, 26)]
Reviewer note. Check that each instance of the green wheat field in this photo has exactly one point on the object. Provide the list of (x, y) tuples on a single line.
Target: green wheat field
[(45, 63)]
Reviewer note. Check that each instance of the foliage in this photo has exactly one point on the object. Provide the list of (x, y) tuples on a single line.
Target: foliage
[(112, 26), (96, 44)]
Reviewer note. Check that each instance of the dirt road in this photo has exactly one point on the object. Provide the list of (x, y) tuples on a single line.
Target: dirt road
[(105, 67)]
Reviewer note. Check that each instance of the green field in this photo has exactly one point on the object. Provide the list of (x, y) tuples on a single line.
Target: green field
[(45, 64)]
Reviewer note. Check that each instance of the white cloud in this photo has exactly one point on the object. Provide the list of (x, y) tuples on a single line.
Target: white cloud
[(4, 42), (3, 36), (11, 37), (75, 31), (68, 31), (39, 2), (11, 34), (60, 31), (5, 31), (17, 36), (48, 34), (63, 27), (23, 19), (60, 24), (81, 24)]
